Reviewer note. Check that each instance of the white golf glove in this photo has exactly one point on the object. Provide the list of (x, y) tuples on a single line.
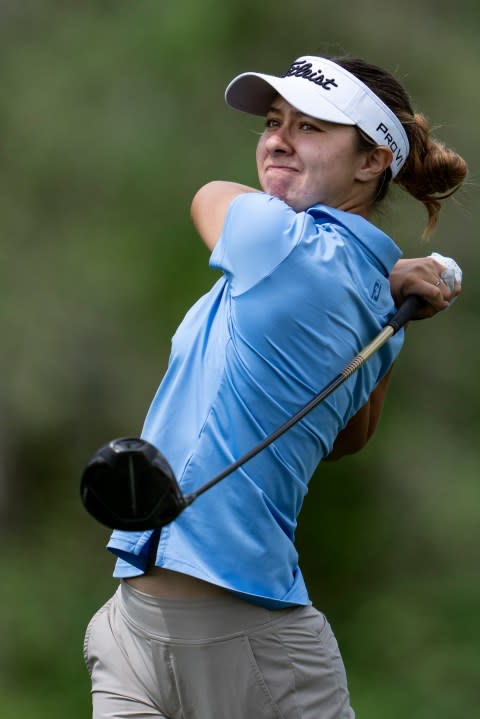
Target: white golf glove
[(451, 274)]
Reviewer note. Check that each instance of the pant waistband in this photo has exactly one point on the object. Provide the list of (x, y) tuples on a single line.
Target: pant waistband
[(195, 619)]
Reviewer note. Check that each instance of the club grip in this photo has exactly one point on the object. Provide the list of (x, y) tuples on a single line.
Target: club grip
[(405, 313)]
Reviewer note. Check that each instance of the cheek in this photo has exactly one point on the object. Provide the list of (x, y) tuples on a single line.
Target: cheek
[(335, 166), (260, 152), (260, 158)]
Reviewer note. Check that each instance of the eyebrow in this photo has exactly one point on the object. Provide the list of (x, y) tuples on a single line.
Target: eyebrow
[(278, 111)]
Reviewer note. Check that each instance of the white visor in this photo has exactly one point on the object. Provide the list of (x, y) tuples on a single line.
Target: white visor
[(322, 89)]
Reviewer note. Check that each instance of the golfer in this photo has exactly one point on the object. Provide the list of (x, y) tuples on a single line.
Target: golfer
[(212, 619)]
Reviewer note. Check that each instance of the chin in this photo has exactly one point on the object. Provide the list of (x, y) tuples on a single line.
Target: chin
[(288, 200), (296, 204)]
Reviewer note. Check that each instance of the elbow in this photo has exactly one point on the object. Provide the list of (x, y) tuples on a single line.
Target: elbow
[(344, 446), (199, 198), (356, 434)]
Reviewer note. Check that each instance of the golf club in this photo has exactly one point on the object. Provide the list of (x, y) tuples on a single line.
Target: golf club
[(128, 484)]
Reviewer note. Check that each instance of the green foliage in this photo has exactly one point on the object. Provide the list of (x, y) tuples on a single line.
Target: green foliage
[(112, 116)]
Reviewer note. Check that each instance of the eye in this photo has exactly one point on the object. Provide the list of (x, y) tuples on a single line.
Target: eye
[(272, 122), (308, 127)]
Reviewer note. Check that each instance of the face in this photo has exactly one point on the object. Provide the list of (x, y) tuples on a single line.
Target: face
[(305, 161)]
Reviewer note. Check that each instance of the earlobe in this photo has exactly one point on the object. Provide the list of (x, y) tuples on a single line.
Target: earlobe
[(374, 164)]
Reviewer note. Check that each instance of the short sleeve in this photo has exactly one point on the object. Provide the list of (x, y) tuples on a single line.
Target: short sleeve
[(259, 232)]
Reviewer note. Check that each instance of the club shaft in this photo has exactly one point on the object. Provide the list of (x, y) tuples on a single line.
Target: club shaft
[(407, 310)]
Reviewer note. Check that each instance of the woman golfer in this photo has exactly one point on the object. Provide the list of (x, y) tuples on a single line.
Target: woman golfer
[(212, 619)]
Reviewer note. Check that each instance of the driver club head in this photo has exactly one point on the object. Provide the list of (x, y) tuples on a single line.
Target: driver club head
[(128, 484)]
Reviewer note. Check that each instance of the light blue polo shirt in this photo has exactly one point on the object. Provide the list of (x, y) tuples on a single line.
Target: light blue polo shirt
[(300, 294)]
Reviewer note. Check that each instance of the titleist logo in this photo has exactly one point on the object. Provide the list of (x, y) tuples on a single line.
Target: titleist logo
[(302, 68)]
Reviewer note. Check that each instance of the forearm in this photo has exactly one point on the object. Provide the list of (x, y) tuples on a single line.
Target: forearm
[(362, 425), (417, 276)]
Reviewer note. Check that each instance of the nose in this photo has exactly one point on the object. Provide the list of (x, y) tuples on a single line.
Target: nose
[(279, 141)]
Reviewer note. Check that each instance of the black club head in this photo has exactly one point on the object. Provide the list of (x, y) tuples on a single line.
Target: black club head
[(128, 484)]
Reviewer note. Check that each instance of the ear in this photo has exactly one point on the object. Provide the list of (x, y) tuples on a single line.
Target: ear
[(374, 163)]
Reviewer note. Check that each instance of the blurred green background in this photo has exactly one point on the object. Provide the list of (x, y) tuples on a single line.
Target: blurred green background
[(112, 115)]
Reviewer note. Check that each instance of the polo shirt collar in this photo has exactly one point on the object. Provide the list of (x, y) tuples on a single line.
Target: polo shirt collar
[(378, 244)]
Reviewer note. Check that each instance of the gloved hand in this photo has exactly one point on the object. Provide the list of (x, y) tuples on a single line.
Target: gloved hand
[(452, 274)]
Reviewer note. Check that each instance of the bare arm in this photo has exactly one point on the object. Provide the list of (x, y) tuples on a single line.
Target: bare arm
[(210, 205), (418, 276), (363, 424)]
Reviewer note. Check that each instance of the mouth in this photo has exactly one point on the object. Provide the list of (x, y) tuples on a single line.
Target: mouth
[(281, 168)]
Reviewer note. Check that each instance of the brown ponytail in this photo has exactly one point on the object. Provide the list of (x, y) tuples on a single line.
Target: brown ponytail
[(432, 171)]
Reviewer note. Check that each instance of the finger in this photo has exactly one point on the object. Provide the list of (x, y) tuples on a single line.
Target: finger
[(434, 293)]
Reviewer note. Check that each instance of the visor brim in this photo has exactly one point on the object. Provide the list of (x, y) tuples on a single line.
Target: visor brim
[(254, 92)]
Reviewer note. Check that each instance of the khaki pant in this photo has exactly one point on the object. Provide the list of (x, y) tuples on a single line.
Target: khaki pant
[(212, 659)]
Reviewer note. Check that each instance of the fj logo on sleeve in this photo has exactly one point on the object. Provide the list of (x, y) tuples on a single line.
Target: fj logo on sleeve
[(376, 291)]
